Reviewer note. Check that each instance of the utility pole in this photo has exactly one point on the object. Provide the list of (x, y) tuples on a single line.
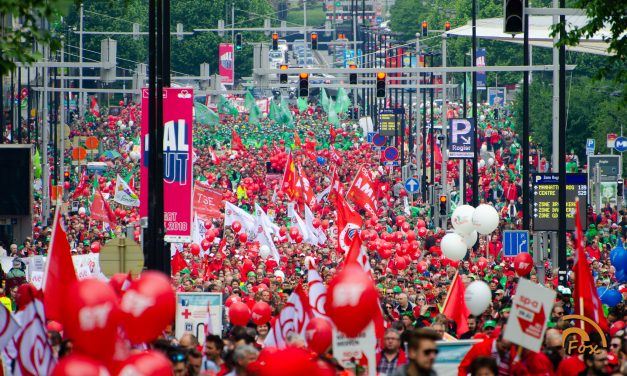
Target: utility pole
[(443, 116), (81, 95), (61, 142), (45, 187)]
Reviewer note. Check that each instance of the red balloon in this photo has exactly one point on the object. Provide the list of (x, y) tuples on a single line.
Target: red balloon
[(385, 253), (319, 335), (79, 365), (147, 307), (210, 236), (95, 247), (299, 239), (243, 237), (400, 263), (325, 224), (523, 263), (287, 362), (282, 231), (261, 313), (400, 220), (315, 223), (232, 299), (91, 318), (205, 244), (422, 267), (117, 281), (422, 231), (482, 263), (351, 300), (239, 314), (66, 185), (237, 226), (405, 227), (195, 248), (149, 363), (294, 232), (208, 225)]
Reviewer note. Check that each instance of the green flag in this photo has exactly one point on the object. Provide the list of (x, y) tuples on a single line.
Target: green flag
[(286, 113), (333, 119), (37, 163), (342, 102), (274, 113), (324, 100), (226, 107), (302, 104), (204, 115), (253, 110)]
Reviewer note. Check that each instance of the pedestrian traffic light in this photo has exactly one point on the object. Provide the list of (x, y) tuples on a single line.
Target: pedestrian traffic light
[(314, 41), (514, 12), (275, 41), (447, 26), (66, 176), (425, 28), (443, 205), (238, 41), (381, 85), (352, 77), (283, 76), (303, 85)]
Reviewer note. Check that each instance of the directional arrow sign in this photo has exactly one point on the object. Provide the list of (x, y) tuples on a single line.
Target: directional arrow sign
[(412, 185)]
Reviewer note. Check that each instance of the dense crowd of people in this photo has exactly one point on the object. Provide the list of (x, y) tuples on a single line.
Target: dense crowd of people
[(413, 285)]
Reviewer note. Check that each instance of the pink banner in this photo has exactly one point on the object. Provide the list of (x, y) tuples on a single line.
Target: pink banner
[(177, 160), (226, 63)]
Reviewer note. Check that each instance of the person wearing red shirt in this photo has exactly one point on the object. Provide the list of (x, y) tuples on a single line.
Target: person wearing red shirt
[(498, 348)]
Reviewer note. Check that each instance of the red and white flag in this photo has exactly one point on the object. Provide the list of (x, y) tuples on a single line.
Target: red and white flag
[(59, 273), (236, 142), (100, 209), (290, 178), (337, 189), (357, 254), (306, 191), (214, 157), (348, 224), (293, 318), (94, 108), (80, 187), (362, 192), (317, 290), (9, 326)]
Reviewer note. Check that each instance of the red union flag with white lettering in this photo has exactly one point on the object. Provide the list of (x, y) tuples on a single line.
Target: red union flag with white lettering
[(177, 162), (530, 309), (207, 202), (362, 192)]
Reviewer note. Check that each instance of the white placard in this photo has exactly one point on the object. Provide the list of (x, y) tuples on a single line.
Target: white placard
[(358, 351), (197, 310)]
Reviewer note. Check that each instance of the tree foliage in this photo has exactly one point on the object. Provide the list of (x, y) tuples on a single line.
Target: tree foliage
[(17, 40)]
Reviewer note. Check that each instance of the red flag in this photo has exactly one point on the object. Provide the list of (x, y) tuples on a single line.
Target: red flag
[(305, 192), (214, 158), (290, 178), (357, 254), (59, 273), (178, 263), (587, 302), (337, 189), (454, 307), (80, 187), (333, 133), (348, 224), (296, 139), (362, 192), (236, 142), (100, 209), (94, 108), (335, 156)]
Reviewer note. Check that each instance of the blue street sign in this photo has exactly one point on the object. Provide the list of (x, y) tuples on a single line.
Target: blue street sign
[(620, 144), (378, 20), (391, 153), (391, 163), (515, 242), (378, 140), (412, 185), (590, 144), (370, 136)]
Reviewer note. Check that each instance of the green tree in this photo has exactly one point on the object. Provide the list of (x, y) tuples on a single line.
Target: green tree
[(16, 41)]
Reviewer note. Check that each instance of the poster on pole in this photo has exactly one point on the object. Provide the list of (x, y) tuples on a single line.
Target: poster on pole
[(358, 352), (177, 162), (531, 307), (199, 313), (226, 63), (481, 62), (497, 96)]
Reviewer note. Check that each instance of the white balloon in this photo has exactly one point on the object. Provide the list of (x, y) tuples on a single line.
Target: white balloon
[(279, 274), (462, 219), (490, 161), (130, 123), (484, 147), (81, 210), (481, 164), (264, 252), (134, 156), (485, 219), (453, 247), (470, 238), (478, 297), (482, 118)]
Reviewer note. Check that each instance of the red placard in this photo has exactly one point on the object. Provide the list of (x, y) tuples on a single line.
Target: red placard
[(207, 202)]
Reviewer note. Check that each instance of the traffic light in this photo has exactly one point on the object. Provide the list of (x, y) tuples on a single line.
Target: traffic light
[(238, 41), (275, 41), (514, 12), (314, 41), (303, 85), (381, 85), (283, 76), (425, 28), (66, 176), (447, 26), (352, 77), (443, 205)]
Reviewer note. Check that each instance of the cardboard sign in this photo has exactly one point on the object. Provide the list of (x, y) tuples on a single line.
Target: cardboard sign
[(199, 313), (531, 308), (358, 351)]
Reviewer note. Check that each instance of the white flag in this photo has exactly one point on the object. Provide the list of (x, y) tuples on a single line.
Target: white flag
[(293, 318), (317, 232), (265, 220), (317, 289), (124, 195), (233, 213), (8, 328), (263, 235), (298, 222)]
